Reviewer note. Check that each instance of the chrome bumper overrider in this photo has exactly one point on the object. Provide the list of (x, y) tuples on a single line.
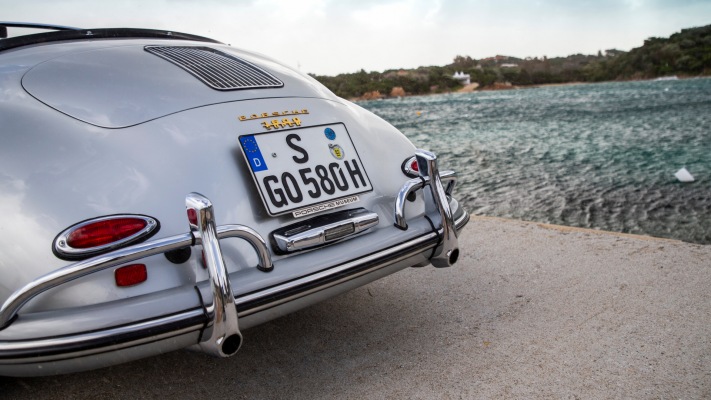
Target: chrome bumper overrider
[(217, 322), (448, 251)]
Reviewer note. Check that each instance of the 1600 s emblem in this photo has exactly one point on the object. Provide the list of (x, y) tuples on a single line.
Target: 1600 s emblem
[(277, 123)]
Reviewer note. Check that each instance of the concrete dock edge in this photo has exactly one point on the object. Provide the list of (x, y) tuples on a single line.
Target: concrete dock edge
[(530, 311)]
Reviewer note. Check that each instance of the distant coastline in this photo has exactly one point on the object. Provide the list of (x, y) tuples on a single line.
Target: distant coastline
[(473, 88), (685, 54)]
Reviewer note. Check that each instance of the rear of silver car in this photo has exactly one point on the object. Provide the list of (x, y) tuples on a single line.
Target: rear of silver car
[(261, 193)]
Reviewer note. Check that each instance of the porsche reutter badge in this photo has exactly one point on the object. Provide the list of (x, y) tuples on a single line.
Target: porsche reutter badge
[(336, 151)]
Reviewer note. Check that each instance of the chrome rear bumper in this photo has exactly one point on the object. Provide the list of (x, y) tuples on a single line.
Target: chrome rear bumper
[(89, 350), (214, 325)]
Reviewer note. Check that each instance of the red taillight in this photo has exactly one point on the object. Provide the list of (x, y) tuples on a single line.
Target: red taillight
[(130, 275), (410, 167), (105, 232), (100, 235)]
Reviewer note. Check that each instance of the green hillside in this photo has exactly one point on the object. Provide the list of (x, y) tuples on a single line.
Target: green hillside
[(686, 54)]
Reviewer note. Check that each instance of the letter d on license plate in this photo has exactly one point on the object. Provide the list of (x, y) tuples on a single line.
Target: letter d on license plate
[(299, 168)]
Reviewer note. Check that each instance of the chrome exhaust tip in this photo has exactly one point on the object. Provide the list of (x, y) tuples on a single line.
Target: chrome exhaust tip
[(445, 259), (231, 345)]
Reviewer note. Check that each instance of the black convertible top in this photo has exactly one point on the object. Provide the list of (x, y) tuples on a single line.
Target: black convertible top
[(69, 33)]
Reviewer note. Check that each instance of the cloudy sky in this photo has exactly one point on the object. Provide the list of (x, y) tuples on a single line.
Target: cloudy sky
[(328, 37)]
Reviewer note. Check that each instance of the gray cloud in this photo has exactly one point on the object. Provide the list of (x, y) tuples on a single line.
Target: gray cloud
[(333, 36)]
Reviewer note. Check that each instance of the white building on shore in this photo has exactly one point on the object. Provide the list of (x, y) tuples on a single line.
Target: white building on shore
[(464, 79)]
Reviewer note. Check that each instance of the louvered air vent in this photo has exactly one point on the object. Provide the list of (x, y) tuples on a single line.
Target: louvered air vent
[(216, 69)]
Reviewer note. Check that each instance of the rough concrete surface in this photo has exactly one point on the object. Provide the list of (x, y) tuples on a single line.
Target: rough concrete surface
[(530, 311)]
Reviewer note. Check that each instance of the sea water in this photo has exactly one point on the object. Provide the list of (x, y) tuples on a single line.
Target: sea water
[(599, 156)]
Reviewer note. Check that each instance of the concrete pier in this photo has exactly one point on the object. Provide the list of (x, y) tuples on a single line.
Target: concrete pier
[(530, 311)]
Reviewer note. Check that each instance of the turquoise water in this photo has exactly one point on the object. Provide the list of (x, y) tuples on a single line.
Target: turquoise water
[(599, 156)]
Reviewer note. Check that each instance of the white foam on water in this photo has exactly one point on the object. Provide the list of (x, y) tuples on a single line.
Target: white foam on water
[(683, 175)]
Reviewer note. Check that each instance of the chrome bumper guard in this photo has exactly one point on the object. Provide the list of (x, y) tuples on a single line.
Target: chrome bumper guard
[(447, 251), (225, 338), (221, 336)]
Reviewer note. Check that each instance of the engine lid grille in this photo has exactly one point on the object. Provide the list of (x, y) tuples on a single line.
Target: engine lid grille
[(216, 69)]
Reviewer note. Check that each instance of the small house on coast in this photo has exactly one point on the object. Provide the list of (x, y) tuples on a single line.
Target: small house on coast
[(464, 79)]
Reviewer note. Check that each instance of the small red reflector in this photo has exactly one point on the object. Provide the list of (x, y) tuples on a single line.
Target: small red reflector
[(105, 232), (192, 216), (414, 165), (410, 168), (130, 275)]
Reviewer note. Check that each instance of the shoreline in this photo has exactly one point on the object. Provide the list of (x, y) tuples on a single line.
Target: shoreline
[(475, 87), (471, 88)]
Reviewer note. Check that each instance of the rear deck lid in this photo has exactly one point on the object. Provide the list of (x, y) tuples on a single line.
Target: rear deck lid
[(126, 85)]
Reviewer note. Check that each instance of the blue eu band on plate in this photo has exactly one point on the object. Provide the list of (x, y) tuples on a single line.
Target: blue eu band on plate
[(253, 154)]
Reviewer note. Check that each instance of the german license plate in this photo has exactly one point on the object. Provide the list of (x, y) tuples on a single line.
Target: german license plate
[(305, 170)]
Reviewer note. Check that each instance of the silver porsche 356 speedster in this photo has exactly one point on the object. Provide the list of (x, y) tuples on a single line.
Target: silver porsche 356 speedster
[(163, 191)]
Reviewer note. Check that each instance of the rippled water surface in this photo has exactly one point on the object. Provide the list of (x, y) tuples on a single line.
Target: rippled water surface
[(598, 156)]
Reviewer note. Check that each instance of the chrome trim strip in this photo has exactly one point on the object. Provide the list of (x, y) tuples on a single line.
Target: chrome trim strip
[(409, 249), (74, 271), (462, 221), (253, 238), (224, 338), (451, 178), (315, 232), (409, 187), (415, 184), (54, 345)]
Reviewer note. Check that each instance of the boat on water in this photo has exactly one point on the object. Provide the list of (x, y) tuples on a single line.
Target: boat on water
[(668, 78)]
